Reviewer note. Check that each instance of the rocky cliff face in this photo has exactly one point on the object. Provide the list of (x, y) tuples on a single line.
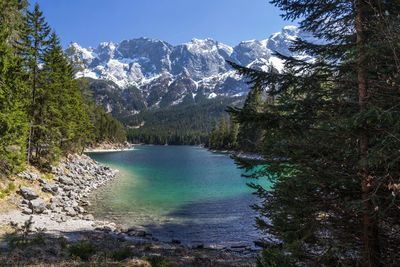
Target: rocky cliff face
[(164, 74)]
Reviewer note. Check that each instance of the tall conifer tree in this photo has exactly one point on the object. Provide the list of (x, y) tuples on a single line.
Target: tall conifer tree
[(332, 137), (63, 112), (13, 124), (35, 40)]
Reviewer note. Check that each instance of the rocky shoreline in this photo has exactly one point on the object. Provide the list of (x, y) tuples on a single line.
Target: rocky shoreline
[(57, 206), (241, 155), (64, 212), (60, 206)]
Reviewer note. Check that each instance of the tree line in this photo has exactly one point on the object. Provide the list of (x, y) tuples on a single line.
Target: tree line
[(44, 109), (183, 124), (230, 134), (331, 138)]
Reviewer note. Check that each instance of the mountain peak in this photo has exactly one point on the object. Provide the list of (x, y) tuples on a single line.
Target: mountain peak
[(157, 67)]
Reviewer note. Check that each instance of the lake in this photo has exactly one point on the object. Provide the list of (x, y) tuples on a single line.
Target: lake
[(178, 192)]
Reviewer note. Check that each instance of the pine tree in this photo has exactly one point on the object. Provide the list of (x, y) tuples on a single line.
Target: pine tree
[(34, 42), (13, 124), (249, 135), (331, 136), (12, 14), (222, 132), (233, 136), (63, 111)]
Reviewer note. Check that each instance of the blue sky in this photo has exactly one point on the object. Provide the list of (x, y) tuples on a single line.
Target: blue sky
[(89, 22)]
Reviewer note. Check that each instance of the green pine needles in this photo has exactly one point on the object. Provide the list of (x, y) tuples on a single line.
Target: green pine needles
[(44, 109), (331, 137)]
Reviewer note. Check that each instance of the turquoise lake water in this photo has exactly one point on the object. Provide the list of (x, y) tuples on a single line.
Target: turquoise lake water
[(178, 192)]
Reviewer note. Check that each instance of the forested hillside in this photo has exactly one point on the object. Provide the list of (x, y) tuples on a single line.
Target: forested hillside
[(186, 123), (44, 109), (231, 134)]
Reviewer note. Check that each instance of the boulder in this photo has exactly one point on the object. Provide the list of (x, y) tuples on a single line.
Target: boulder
[(34, 176), (65, 180), (37, 205), (27, 211), (48, 188), (28, 193), (107, 229), (88, 217), (79, 209), (51, 206), (70, 211), (59, 218), (54, 169), (85, 203), (54, 188), (28, 176), (42, 181), (141, 233)]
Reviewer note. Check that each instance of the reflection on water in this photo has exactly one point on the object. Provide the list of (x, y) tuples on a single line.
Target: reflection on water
[(178, 192)]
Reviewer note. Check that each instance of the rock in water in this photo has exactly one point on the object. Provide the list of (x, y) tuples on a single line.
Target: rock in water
[(28, 193)]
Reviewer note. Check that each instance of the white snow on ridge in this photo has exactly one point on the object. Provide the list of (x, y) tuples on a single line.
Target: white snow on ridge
[(212, 95), (148, 62), (277, 63)]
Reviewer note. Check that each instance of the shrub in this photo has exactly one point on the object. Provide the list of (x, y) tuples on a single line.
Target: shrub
[(119, 255), (157, 261), (11, 186), (38, 240), (83, 250), (23, 235), (274, 257)]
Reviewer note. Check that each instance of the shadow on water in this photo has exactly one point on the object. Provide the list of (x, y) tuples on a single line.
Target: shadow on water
[(97, 248), (221, 223)]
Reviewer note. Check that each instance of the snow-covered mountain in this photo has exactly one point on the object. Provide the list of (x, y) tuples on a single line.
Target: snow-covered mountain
[(162, 71)]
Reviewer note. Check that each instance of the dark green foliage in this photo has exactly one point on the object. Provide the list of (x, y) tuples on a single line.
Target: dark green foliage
[(249, 136), (35, 35), (122, 254), (82, 249), (274, 257), (331, 139), (13, 122), (106, 128), (244, 136), (224, 135), (157, 261), (62, 116), (44, 109), (185, 123)]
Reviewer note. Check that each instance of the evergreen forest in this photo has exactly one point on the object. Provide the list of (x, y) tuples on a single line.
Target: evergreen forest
[(45, 110), (187, 123)]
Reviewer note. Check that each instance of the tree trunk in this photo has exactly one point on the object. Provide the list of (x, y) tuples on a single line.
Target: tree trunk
[(370, 224), (31, 129)]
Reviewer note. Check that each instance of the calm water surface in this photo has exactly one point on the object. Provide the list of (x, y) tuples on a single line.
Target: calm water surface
[(178, 192)]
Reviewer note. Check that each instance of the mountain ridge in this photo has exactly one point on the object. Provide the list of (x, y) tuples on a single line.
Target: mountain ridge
[(164, 74)]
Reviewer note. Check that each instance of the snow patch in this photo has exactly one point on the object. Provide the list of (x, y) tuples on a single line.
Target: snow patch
[(212, 95)]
